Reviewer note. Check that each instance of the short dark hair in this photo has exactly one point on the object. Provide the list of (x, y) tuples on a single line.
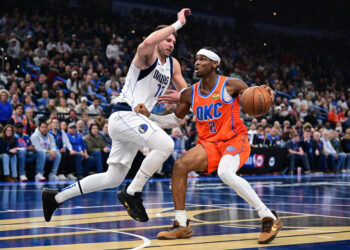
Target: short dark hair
[(162, 26), (19, 105), (19, 125), (92, 125), (42, 122)]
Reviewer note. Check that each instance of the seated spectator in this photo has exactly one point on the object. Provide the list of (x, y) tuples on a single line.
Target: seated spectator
[(42, 140), (332, 116), (32, 124), (319, 155), (79, 152), (96, 146), (105, 135), (259, 136), (251, 133), (334, 162), (26, 152), (72, 116), (296, 155), (65, 147), (19, 116), (94, 108), (71, 101), (64, 126), (307, 145), (28, 103), (74, 83), (62, 107), (334, 138), (179, 148), (5, 107), (43, 102), (272, 139), (82, 107), (8, 151)]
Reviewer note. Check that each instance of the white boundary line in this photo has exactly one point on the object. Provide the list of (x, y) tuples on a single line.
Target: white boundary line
[(146, 241)]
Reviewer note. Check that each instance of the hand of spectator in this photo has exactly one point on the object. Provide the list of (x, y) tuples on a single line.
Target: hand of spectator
[(31, 148), (73, 152), (106, 149), (268, 89), (181, 16), (336, 156), (317, 153), (183, 151), (62, 150), (52, 154), (13, 150), (85, 155), (171, 96), (141, 108)]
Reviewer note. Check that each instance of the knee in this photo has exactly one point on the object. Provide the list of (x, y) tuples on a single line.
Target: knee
[(166, 147), (180, 167)]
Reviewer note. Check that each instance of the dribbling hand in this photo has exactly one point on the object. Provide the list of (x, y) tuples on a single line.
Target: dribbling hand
[(181, 16), (268, 89), (141, 109)]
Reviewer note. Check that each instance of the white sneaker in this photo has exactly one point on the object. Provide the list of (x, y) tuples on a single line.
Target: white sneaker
[(39, 177), (344, 171), (71, 177), (23, 178), (53, 177), (193, 174), (61, 177)]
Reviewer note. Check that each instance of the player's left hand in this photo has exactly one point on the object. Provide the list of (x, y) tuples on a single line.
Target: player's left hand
[(268, 89), (141, 109), (181, 16), (171, 96)]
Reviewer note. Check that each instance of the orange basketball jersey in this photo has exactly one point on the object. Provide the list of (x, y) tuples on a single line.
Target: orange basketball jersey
[(217, 119)]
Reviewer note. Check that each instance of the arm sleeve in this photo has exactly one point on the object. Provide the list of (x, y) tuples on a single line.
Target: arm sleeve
[(166, 121), (66, 141)]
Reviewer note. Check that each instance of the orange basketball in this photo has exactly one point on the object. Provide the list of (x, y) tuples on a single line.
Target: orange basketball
[(256, 101)]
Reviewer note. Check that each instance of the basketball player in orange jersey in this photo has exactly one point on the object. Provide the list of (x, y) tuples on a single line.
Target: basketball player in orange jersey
[(222, 143)]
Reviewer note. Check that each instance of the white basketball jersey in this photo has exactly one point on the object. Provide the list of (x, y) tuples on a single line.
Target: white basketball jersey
[(145, 86)]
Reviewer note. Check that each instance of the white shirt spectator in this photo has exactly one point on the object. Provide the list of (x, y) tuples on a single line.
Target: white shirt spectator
[(299, 101), (63, 47), (112, 51), (327, 145), (94, 110)]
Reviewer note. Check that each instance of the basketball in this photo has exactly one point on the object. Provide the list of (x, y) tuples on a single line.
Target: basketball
[(256, 101)]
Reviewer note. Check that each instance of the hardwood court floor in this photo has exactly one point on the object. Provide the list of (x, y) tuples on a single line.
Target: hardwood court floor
[(314, 209)]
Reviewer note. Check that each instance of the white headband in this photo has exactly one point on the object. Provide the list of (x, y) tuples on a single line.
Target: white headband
[(210, 54)]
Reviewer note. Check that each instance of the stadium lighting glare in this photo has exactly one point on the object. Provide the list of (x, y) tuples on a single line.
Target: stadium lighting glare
[(265, 44), (274, 13), (132, 31)]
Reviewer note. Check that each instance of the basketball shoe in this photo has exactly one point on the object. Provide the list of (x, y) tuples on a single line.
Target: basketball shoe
[(176, 232), (49, 202), (269, 229)]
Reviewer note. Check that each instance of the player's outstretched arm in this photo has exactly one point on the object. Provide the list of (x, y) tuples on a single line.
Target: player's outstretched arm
[(146, 48), (174, 119)]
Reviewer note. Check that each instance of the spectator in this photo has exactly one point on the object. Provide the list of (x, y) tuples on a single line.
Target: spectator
[(344, 157), (27, 153), (79, 152), (43, 102), (106, 136), (296, 154), (41, 84), (42, 140), (251, 133), (31, 122), (5, 107), (62, 107), (272, 139), (94, 108), (319, 154), (40, 49), (64, 146), (307, 145), (8, 151), (62, 47), (28, 103), (299, 101), (179, 148), (332, 116), (330, 153), (97, 148), (72, 100), (19, 116), (72, 116), (64, 126), (112, 51), (14, 101), (74, 83), (82, 107)]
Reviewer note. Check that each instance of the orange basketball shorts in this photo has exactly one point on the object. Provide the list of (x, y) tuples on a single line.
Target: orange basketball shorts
[(216, 150)]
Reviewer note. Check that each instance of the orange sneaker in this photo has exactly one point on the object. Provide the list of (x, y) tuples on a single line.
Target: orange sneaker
[(176, 232), (269, 229)]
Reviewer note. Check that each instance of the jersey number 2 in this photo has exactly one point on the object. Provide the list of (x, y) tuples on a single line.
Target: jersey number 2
[(212, 127), (159, 90)]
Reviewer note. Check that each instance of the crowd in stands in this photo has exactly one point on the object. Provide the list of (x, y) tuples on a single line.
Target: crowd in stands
[(62, 73)]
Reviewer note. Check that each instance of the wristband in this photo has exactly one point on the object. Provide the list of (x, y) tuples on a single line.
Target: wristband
[(177, 25), (182, 90)]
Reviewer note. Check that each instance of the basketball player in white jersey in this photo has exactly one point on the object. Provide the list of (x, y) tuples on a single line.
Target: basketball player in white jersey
[(149, 76)]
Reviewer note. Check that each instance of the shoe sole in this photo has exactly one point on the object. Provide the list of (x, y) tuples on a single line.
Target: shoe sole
[(268, 240), (123, 201), (43, 198), (165, 238)]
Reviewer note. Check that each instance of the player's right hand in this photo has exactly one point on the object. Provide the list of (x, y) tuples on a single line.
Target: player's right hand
[(141, 109), (181, 16)]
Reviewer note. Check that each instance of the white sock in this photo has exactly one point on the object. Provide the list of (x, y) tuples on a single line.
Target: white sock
[(263, 212), (138, 182), (112, 178), (162, 146), (181, 217), (227, 169)]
